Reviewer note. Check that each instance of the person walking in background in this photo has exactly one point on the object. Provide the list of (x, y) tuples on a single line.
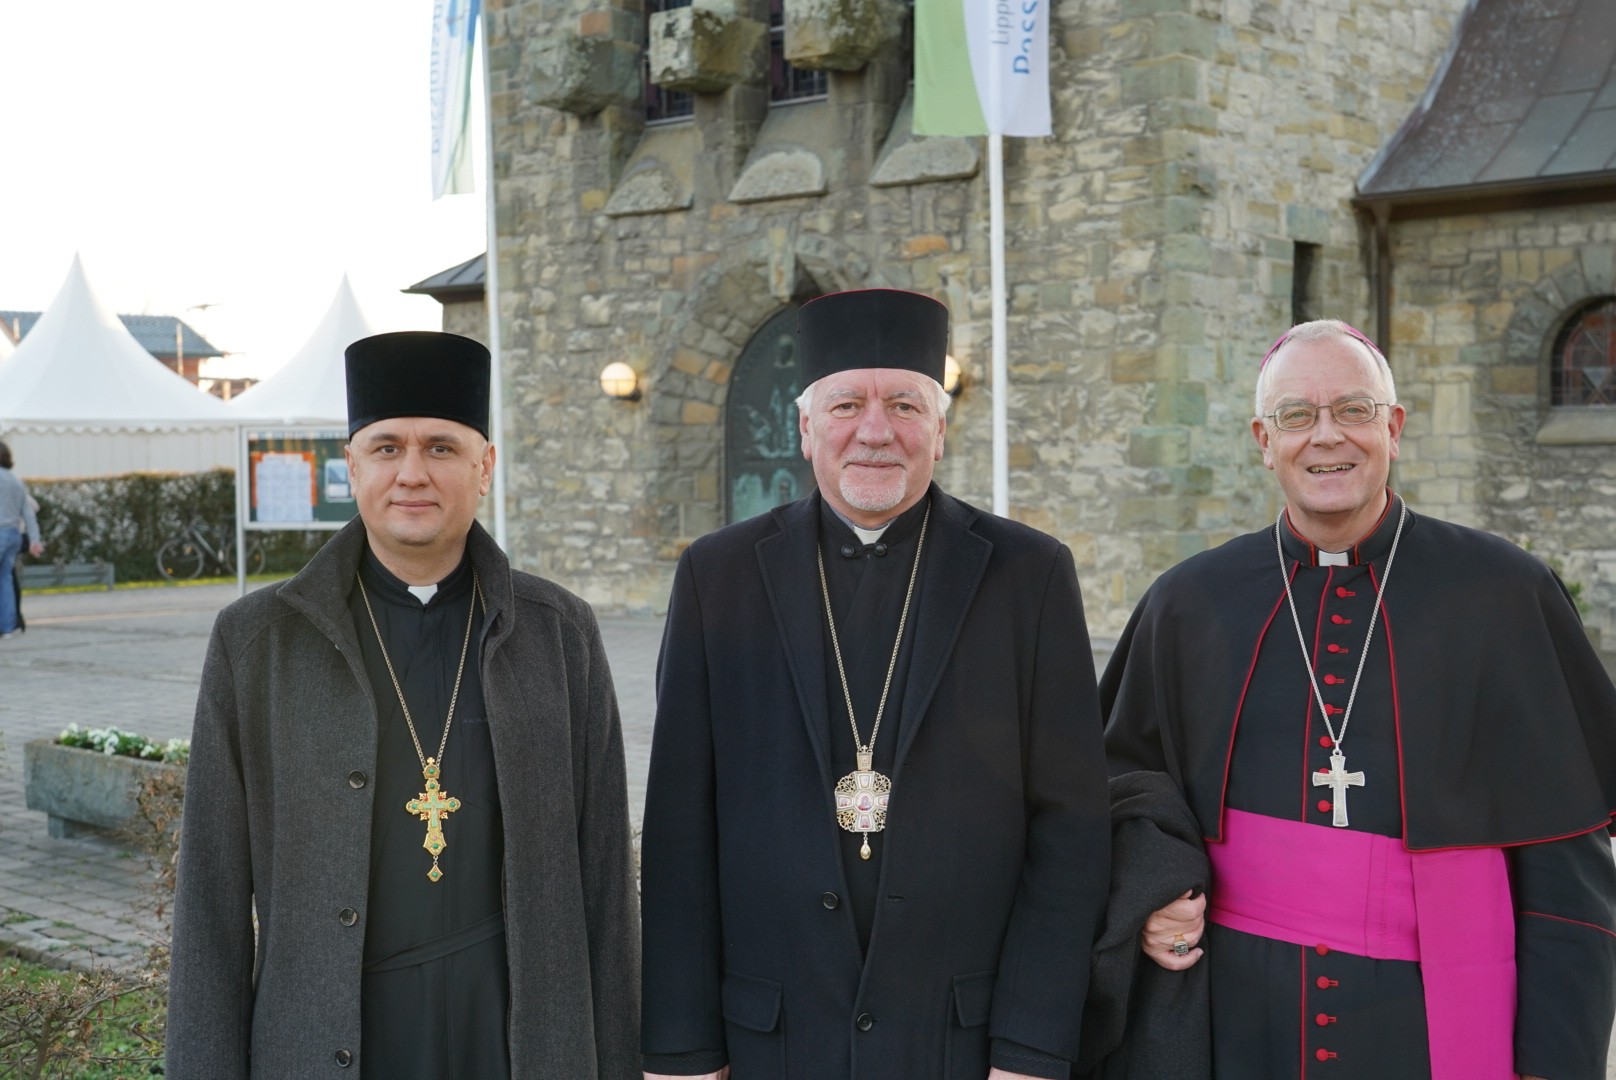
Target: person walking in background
[(18, 525)]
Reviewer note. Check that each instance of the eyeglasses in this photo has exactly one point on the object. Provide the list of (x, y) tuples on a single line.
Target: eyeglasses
[(1348, 412)]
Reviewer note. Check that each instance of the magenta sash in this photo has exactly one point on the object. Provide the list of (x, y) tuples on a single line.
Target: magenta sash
[(1364, 894)]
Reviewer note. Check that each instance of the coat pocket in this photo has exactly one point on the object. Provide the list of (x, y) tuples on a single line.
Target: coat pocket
[(965, 1056), (753, 1027)]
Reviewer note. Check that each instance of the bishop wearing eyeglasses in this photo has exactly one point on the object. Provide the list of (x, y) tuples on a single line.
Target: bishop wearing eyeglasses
[(1399, 749)]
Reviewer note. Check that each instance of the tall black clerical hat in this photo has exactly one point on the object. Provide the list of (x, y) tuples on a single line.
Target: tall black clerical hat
[(871, 328), (417, 373)]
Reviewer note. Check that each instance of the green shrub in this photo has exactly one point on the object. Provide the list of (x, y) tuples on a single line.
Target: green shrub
[(123, 520)]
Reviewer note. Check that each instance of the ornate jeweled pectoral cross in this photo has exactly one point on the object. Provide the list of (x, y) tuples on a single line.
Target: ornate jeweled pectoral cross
[(861, 801), (1338, 779), (432, 806)]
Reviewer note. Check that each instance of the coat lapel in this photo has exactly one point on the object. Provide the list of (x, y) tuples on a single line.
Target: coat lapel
[(787, 562), (952, 566)]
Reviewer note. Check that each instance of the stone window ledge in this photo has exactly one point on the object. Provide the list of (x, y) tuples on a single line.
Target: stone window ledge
[(1578, 427)]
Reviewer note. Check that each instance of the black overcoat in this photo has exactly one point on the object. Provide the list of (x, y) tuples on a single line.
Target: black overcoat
[(995, 856)]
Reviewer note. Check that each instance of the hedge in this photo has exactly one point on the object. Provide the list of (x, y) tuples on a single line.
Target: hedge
[(124, 519)]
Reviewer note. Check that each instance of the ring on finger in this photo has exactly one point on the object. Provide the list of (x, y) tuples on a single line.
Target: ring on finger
[(1180, 946)]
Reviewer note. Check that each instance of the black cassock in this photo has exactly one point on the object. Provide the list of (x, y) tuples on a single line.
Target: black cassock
[(1482, 719), (435, 991)]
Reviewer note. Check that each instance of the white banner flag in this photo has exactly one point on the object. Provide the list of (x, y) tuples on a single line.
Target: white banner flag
[(454, 31), (982, 67)]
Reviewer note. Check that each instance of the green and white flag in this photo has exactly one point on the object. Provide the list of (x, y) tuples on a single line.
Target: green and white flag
[(982, 67)]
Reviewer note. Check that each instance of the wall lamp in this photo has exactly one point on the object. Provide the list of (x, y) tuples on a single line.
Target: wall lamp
[(619, 382), (953, 376)]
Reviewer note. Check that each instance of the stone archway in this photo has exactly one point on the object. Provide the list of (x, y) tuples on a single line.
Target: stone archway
[(731, 301)]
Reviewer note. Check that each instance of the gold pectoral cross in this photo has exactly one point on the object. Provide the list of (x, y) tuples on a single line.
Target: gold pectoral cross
[(432, 806), (1338, 779)]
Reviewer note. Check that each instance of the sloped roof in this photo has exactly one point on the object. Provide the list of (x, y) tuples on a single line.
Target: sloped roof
[(312, 387), (80, 367), (154, 332), (1523, 104), (463, 282)]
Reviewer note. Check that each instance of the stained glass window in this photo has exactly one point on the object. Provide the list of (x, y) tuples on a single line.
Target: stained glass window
[(1584, 360)]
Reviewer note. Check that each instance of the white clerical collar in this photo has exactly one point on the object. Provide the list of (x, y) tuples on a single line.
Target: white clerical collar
[(1333, 558), (866, 536), (423, 593)]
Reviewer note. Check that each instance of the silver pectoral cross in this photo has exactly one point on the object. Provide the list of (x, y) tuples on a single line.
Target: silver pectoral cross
[(1338, 779), (861, 801)]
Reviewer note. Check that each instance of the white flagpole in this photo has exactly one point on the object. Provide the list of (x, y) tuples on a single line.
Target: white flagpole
[(496, 397), (1001, 381)]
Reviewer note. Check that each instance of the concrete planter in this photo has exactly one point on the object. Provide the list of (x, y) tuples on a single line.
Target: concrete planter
[(83, 788)]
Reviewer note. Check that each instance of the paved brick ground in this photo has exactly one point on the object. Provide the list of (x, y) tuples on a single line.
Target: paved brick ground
[(133, 658)]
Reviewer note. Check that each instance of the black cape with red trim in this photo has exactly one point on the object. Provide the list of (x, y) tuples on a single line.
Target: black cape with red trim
[(1511, 729)]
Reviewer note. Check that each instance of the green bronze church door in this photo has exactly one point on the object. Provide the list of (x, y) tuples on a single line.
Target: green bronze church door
[(763, 458)]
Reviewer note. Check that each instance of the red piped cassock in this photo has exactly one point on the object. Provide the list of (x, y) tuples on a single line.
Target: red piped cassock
[(1483, 719)]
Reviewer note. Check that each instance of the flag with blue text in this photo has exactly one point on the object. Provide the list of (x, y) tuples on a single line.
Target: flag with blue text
[(982, 67), (454, 32)]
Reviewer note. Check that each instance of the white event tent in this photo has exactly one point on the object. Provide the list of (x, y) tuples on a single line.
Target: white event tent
[(311, 389), (80, 397)]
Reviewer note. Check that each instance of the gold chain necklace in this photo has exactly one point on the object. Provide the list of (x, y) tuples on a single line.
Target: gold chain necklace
[(862, 795), (433, 804)]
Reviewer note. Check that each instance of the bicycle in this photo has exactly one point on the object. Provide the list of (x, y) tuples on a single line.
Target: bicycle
[(184, 557)]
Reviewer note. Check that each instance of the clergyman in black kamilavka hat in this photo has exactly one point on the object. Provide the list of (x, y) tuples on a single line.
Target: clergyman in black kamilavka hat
[(407, 764), (1400, 749), (876, 830)]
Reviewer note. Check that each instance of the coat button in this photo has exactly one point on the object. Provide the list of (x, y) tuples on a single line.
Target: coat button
[(1322, 950), (849, 551), (831, 901), (865, 1022), (1326, 742), (1325, 1055), (347, 917), (1325, 806), (1340, 620), (880, 549), (357, 779), (1323, 1020), (344, 1058), (1324, 983)]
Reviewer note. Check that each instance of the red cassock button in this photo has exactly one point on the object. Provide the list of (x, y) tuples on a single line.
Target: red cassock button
[(1322, 771), (1324, 984), (1324, 1055), (1325, 806), (1323, 1020), (1332, 647), (1331, 680), (1322, 949), (1333, 710), (1340, 620), (1326, 742), (1344, 592)]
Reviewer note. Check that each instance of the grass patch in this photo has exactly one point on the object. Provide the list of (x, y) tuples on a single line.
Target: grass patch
[(82, 1027)]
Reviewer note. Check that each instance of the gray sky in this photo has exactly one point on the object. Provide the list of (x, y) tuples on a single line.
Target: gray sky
[(243, 155)]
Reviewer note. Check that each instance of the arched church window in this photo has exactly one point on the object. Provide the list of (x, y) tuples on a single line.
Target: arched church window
[(1583, 364), (763, 462)]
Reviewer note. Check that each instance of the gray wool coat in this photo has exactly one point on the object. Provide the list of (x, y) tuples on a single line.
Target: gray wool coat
[(277, 822)]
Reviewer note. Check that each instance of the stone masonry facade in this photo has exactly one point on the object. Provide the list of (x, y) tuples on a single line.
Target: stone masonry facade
[(1199, 147)]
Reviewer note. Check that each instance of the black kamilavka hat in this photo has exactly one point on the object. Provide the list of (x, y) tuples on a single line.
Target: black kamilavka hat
[(417, 373), (871, 328)]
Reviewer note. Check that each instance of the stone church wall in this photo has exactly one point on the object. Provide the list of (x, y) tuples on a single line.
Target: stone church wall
[(1479, 302), (1151, 246)]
